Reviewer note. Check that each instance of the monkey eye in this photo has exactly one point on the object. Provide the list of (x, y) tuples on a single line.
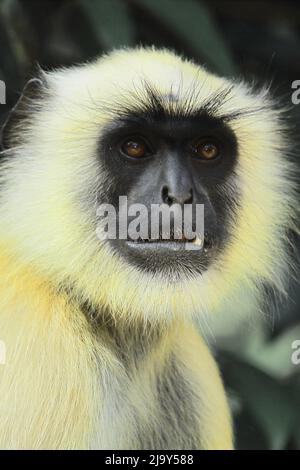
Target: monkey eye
[(206, 149), (135, 147)]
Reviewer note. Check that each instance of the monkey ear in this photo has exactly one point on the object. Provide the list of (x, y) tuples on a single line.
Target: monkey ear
[(20, 112)]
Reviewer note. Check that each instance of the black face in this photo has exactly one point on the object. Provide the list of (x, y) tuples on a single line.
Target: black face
[(155, 160)]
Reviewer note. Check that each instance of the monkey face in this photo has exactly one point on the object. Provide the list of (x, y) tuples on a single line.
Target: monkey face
[(159, 158)]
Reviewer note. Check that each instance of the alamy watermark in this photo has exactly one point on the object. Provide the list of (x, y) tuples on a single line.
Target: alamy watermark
[(296, 94), (137, 222), (295, 358), (2, 92)]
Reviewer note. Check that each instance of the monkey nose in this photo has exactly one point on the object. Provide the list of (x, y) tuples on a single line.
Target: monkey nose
[(176, 197)]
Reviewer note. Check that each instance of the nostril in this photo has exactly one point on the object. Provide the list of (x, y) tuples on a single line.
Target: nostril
[(170, 199), (167, 199), (189, 198)]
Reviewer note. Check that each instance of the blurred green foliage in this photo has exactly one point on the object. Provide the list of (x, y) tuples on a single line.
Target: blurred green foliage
[(247, 38)]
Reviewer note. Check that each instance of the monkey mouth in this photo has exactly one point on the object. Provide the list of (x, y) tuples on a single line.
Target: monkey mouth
[(172, 243), (173, 257)]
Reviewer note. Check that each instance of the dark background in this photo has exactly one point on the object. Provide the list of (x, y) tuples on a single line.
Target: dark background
[(250, 39)]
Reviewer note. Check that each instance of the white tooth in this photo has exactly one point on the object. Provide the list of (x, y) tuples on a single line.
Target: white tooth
[(197, 241)]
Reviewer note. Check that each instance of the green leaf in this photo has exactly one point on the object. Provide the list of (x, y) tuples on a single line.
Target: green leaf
[(192, 21), (272, 356), (110, 22), (275, 357), (270, 402)]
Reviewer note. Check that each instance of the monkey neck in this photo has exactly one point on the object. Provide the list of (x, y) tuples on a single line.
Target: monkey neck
[(129, 342)]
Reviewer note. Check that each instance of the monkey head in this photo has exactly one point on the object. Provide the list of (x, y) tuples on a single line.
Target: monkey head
[(157, 129)]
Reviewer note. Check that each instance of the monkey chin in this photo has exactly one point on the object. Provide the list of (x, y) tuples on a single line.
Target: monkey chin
[(174, 259)]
